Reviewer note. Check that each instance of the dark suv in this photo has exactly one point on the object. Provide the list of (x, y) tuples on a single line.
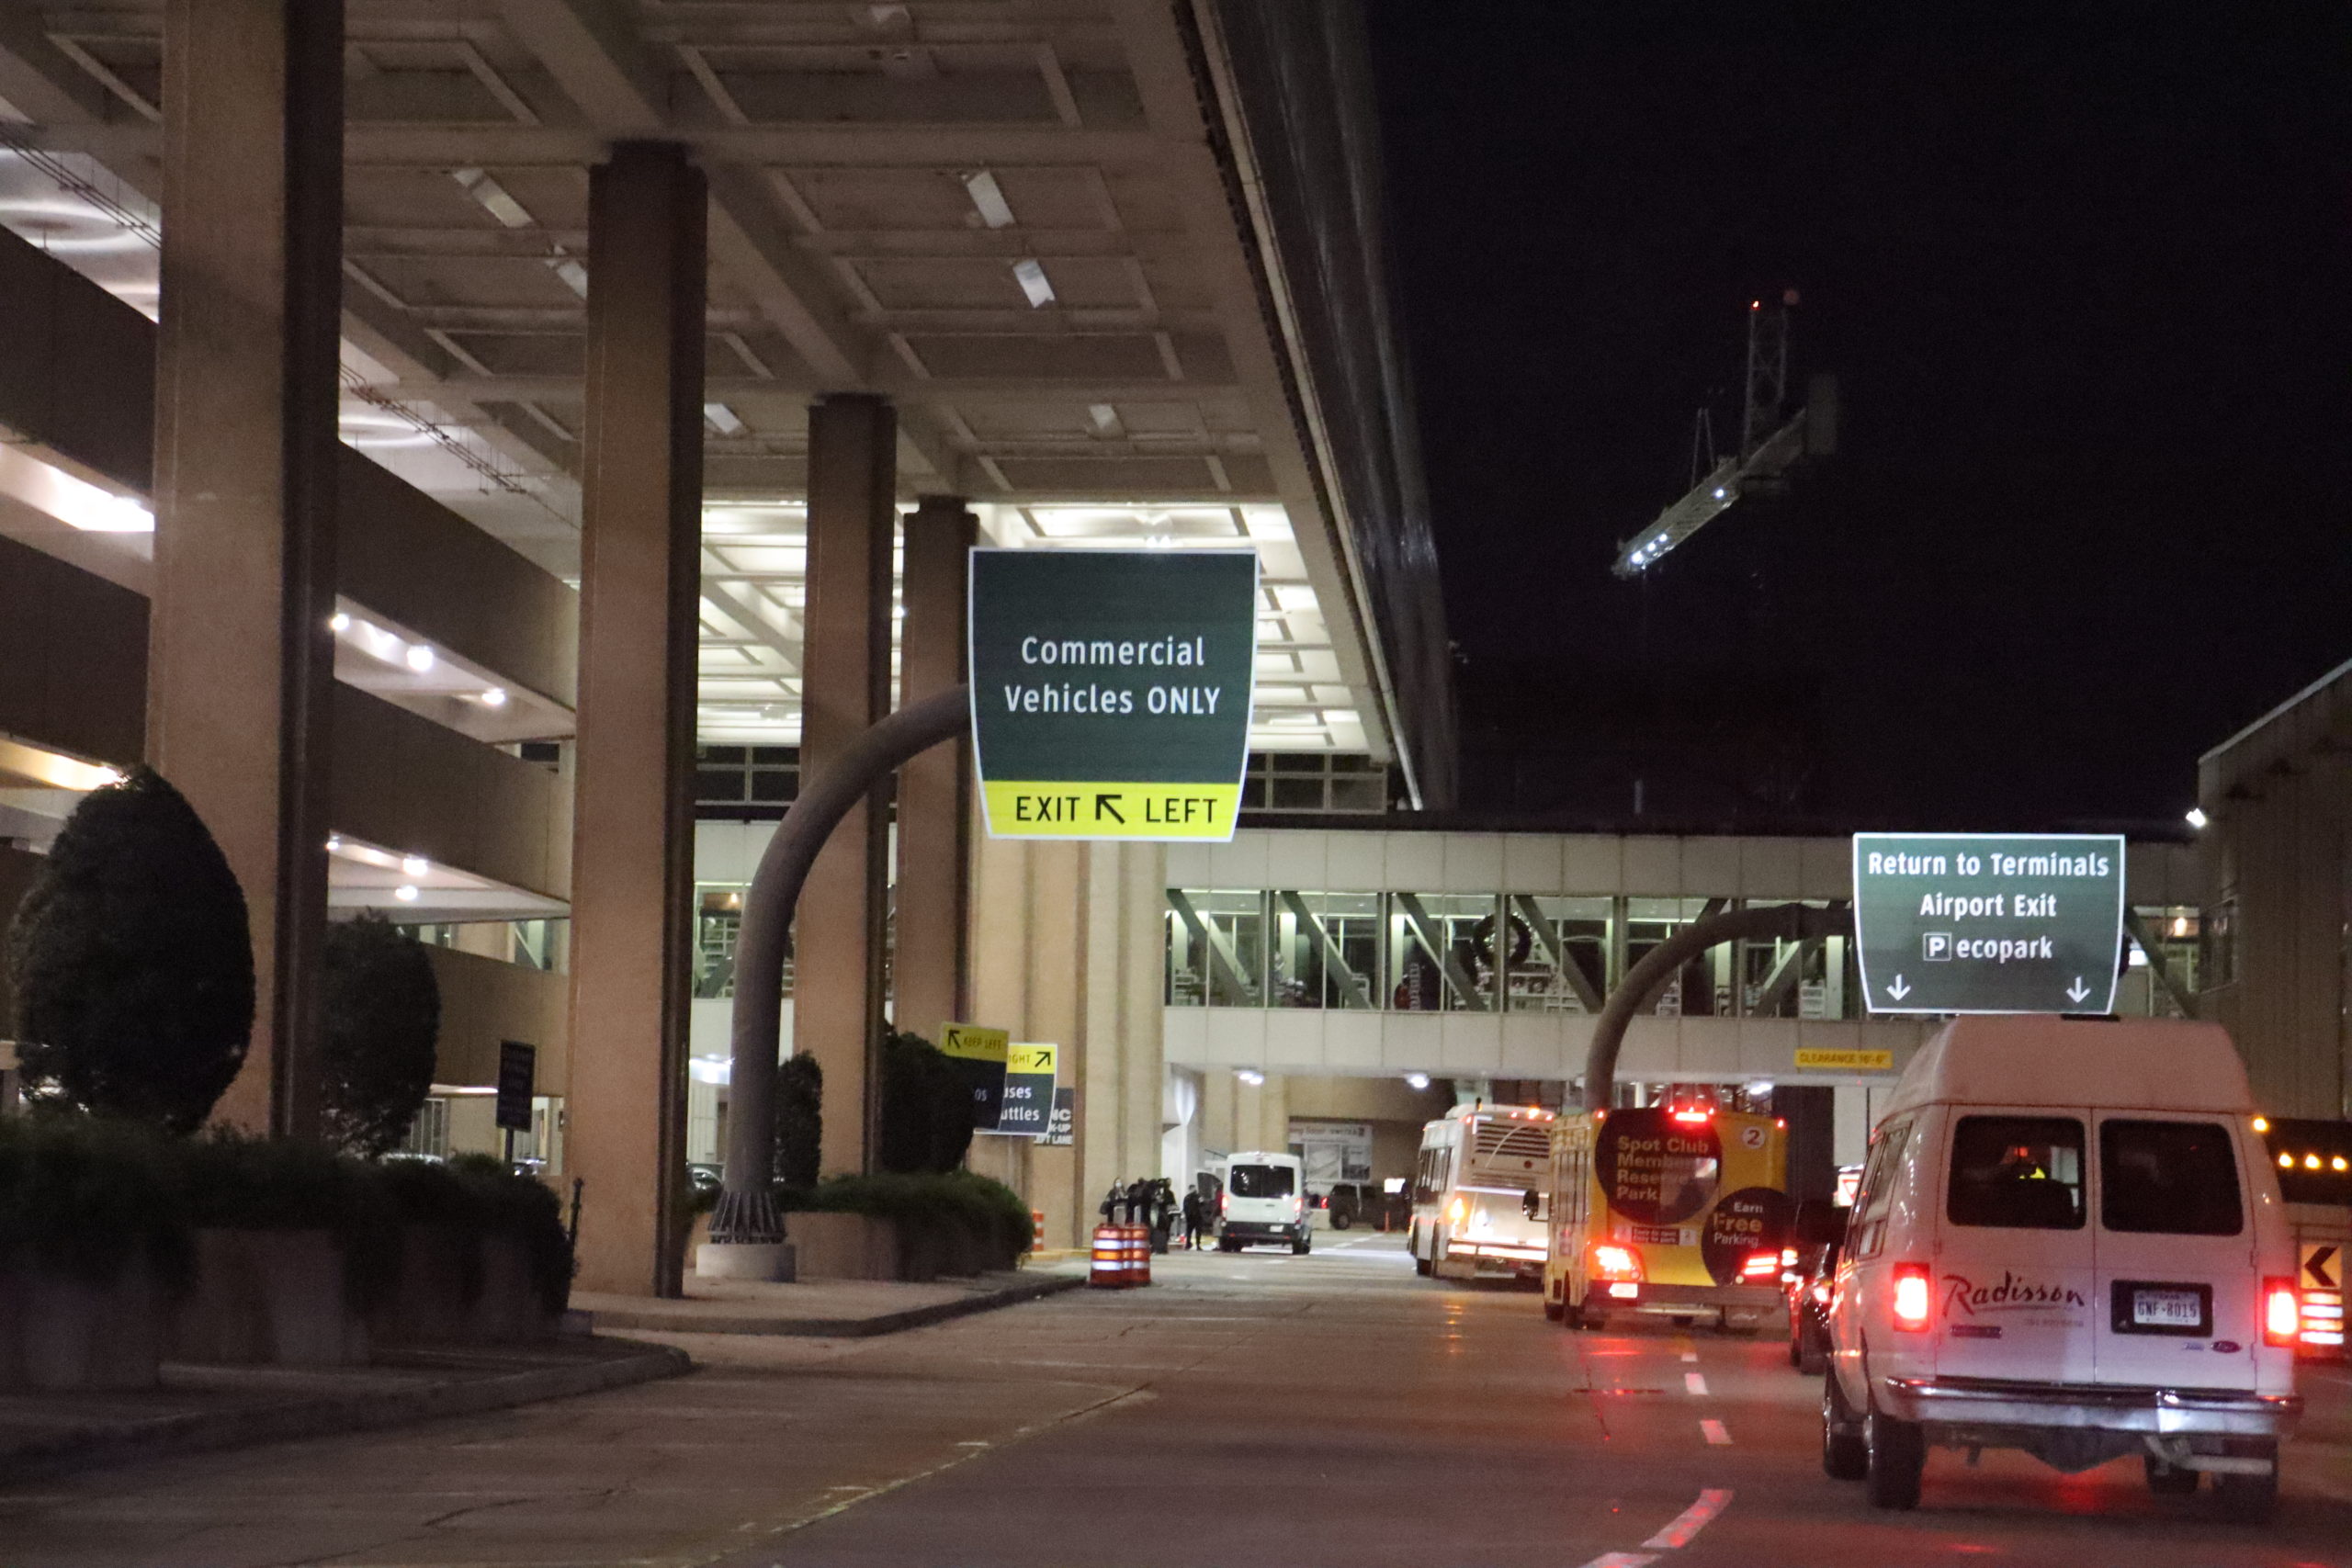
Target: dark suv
[(1362, 1202)]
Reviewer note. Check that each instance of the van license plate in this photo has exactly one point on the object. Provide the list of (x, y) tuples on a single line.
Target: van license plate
[(2167, 1309)]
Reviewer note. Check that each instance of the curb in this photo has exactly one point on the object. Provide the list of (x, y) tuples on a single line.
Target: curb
[(840, 1327), (206, 1431)]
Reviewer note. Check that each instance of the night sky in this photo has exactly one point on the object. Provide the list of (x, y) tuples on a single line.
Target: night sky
[(2082, 276)]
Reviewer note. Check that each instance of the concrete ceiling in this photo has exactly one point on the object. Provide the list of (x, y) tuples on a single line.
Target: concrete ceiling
[(1009, 217)]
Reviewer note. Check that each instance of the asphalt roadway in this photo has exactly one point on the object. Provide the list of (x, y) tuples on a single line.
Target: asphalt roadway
[(1259, 1411)]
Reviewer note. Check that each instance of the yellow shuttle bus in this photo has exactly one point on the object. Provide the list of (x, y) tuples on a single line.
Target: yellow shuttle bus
[(1678, 1210)]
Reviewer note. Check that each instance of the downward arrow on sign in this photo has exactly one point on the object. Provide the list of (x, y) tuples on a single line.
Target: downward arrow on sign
[(1899, 989), (2077, 991)]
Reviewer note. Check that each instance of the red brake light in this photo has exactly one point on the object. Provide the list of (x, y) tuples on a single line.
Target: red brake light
[(1610, 1261), (2282, 1311), (1760, 1264), (1913, 1301), (1694, 1116)]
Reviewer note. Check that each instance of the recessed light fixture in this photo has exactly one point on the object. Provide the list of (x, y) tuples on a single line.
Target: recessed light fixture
[(335, 843), (1031, 275), (419, 658), (1249, 1075), (1417, 1081), (405, 893), (2197, 817), (414, 866), (988, 199), (338, 622), (494, 698)]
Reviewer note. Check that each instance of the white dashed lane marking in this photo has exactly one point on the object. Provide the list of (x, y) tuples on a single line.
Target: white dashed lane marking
[(1622, 1560), (1696, 1383), (1690, 1521), (1715, 1431)]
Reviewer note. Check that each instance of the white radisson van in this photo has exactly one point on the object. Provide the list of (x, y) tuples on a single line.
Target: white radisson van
[(1264, 1201), (2068, 1239)]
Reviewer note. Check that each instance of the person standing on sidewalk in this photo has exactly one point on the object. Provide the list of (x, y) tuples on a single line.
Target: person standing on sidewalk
[(1195, 1216)]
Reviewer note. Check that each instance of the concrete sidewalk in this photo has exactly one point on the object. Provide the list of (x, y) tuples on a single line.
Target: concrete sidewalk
[(202, 1408), (823, 1309)]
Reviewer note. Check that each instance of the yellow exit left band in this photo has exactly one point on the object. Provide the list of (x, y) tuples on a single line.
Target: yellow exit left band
[(1112, 810)]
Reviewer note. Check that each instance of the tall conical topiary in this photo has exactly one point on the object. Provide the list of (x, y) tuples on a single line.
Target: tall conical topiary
[(799, 1120), (926, 1120), (382, 1021), (131, 962)]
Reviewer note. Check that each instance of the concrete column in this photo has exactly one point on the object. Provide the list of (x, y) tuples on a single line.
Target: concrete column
[(240, 659), (929, 976), (845, 686), (633, 820)]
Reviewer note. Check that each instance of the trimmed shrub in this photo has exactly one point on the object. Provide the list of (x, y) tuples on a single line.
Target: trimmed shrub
[(926, 1108), (953, 1197), (382, 1020), (478, 1196), (233, 1181), (799, 1120), (82, 1198), (131, 962)]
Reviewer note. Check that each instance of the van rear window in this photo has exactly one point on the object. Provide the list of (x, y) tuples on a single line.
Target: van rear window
[(1260, 1181), (2168, 1178), (2017, 1173)]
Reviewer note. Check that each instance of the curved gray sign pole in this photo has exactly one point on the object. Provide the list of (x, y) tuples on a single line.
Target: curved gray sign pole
[(1644, 981), (747, 1204)]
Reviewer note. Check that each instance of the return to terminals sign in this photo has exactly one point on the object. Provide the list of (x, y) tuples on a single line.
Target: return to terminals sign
[(1988, 922), (1111, 691)]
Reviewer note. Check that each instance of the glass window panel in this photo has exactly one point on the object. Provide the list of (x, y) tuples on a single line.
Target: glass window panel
[(2018, 1172), (2168, 1178), (717, 784), (1572, 930)]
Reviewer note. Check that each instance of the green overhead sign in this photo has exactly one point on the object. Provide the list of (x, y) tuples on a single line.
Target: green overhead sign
[(1111, 690), (1988, 922)]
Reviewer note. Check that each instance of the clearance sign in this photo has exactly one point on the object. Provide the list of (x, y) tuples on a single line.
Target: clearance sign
[(1111, 691)]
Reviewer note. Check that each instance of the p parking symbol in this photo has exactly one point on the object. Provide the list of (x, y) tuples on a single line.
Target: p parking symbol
[(1935, 946)]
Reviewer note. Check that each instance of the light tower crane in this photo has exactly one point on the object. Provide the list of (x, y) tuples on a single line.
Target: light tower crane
[(1772, 442)]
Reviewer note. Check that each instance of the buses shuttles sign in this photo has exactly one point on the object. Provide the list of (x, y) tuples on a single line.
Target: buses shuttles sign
[(1989, 922), (1111, 690)]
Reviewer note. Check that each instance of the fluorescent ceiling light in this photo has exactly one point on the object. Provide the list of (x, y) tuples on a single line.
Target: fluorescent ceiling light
[(723, 419), (405, 893), (420, 658), (1417, 1081), (414, 866), (494, 698), (1031, 275), (2197, 817), (988, 199), (54, 769)]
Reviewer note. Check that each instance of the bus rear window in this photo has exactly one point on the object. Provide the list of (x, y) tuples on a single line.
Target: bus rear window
[(2168, 1178), (2018, 1172), (1260, 1181)]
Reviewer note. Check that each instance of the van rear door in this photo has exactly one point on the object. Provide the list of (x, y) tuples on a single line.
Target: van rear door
[(2014, 1277), (2179, 1283)]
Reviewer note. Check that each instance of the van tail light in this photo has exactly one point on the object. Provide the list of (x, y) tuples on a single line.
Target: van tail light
[(1760, 1265), (1913, 1300), (2282, 1311), (1221, 1203), (1613, 1262)]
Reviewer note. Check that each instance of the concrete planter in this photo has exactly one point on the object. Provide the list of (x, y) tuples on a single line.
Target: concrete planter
[(268, 1298), (59, 1334), (456, 1288), (862, 1247)]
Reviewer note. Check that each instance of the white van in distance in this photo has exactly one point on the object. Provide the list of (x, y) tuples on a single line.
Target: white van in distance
[(1264, 1201), (2068, 1239)]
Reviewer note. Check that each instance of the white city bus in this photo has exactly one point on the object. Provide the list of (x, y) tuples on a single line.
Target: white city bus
[(1480, 1192)]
